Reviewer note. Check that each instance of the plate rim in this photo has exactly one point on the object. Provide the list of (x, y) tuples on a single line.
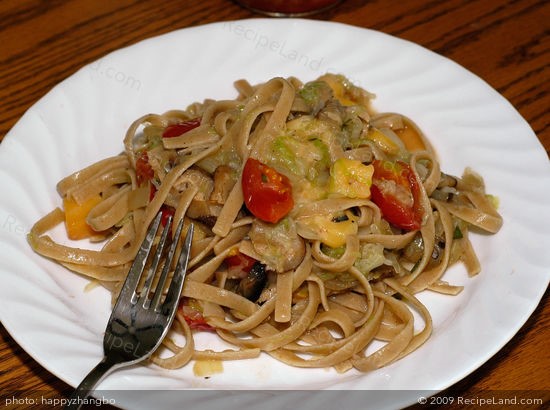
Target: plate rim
[(178, 32)]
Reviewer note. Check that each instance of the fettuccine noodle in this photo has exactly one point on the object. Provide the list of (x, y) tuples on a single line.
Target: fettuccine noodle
[(317, 221)]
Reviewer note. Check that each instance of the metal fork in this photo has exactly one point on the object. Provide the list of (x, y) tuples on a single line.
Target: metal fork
[(139, 322)]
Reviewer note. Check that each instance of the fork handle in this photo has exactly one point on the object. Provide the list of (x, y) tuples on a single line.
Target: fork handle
[(103, 368)]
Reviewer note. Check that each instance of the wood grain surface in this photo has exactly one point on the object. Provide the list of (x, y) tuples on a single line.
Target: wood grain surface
[(506, 43)]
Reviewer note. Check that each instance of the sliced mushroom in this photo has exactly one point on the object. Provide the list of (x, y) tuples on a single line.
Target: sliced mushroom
[(363, 154), (447, 181), (195, 178), (211, 194), (252, 285), (224, 180), (204, 211)]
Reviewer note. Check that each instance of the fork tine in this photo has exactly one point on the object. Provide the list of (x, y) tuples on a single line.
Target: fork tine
[(144, 294), (133, 333), (128, 291), (155, 302), (174, 291)]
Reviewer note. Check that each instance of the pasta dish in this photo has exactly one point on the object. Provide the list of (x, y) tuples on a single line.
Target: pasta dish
[(317, 222)]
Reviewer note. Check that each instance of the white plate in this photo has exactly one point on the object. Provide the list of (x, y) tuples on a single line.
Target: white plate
[(84, 118)]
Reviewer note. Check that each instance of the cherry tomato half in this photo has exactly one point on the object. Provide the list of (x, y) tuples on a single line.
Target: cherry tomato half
[(396, 191), (267, 193)]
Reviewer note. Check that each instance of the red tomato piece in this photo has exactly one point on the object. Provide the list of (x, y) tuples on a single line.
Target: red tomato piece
[(144, 171), (167, 212), (239, 264), (175, 130), (193, 316), (267, 193), (396, 191)]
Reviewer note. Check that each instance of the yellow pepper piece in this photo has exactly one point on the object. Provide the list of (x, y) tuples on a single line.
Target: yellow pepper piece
[(75, 217), (329, 231), (382, 141), (350, 178), (411, 138), (206, 368)]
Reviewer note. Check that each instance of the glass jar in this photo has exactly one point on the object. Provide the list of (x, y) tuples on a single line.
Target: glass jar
[(288, 8)]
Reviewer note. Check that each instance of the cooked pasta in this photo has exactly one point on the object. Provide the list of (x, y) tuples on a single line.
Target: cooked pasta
[(317, 221)]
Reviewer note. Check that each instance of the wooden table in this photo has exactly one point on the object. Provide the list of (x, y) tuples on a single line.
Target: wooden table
[(505, 42)]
